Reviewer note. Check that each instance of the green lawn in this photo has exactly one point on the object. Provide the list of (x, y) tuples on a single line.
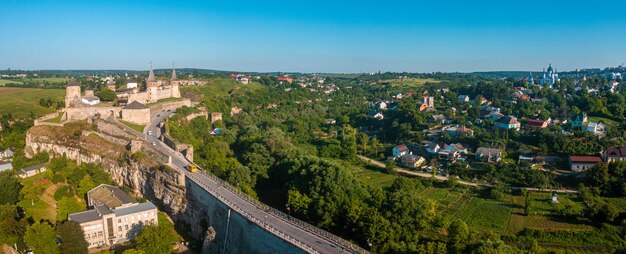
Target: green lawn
[(55, 120), (606, 121), (21, 101), (373, 177), (137, 127)]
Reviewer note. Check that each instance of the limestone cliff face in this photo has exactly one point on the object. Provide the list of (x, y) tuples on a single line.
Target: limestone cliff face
[(161, 186)]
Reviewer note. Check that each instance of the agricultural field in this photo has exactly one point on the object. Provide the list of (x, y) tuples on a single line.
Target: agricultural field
[(22, 101), (49, 80), (507, 216), (409, 82)]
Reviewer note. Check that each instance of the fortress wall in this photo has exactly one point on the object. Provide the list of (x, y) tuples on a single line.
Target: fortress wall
[(140, 97), (138, 116), (82, 113)]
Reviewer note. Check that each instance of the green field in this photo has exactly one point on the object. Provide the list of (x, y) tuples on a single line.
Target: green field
[(409, 82), (22, 101), (3, 82), (507, 217), (49, 80)]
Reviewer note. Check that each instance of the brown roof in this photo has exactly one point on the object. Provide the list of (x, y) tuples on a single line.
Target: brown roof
[(535, 123), (402, 148), (73, 83), (615, 152), (135, 105), (585, 159), (507, 120), (108, 195)]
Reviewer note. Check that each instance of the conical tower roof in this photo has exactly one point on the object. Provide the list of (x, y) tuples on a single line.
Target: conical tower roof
[(73, 83), (110, 82), (151, 77), (173, 74)]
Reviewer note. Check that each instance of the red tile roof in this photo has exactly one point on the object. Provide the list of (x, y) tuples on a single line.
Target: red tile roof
[(402, 148), (585, 159)]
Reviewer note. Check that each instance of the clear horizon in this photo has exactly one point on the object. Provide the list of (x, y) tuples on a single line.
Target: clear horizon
[(312, 37)]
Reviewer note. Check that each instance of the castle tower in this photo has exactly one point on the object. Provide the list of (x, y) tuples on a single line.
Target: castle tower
[(151, 83), (174, 83), (110, 84), (72, 94)]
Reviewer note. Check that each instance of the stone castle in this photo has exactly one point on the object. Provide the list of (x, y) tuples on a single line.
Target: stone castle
[(156, 90), (79, 107)]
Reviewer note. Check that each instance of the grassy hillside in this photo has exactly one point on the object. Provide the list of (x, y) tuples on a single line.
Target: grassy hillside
[(21, 101), (219, 87), (409, 82)]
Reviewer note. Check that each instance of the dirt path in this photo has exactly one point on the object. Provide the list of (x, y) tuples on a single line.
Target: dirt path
[(443, 178), (48, 195)]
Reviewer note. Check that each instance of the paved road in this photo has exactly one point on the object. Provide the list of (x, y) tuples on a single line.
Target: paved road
[(443, 178), (310, 239)]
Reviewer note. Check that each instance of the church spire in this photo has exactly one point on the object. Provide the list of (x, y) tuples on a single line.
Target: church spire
[(173, 73), (151, 75)]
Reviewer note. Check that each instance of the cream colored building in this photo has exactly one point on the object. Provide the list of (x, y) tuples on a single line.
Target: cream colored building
[(114, 217)]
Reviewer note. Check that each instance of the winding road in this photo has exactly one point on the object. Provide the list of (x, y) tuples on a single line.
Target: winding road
[(444, 178)]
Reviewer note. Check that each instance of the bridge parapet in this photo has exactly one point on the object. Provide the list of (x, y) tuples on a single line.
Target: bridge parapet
[(342, 243)]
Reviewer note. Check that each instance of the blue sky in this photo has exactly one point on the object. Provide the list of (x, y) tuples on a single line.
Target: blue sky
[(313, 36)]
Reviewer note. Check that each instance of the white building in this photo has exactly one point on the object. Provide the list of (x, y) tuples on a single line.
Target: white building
[(550, 77)]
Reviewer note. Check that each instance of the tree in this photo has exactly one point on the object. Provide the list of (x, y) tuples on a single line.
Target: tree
[(85, 185), (155, 239), (107, 95), (12, 229), (458, 232), (72, 238), (66, 206), (10, 187), (41, 238)]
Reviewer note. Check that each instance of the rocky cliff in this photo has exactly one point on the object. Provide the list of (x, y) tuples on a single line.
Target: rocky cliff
[(103, 143)]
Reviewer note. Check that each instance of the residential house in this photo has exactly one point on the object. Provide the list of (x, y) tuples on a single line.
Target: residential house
[(440, 118), (433, 148), (6, 154), (114, 217), (613, 154), (508, 122), (459, 131), (453, 152), (411, 160), (464, 98), (582, 163), (5, 165), (32, 170), (536, 124), (382, 105), (480, 100), (400, 150), (596, 128), (330, 121), (488, 154), (376, 115)]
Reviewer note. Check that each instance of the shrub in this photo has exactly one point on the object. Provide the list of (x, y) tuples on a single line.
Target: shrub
[(63, 192)]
